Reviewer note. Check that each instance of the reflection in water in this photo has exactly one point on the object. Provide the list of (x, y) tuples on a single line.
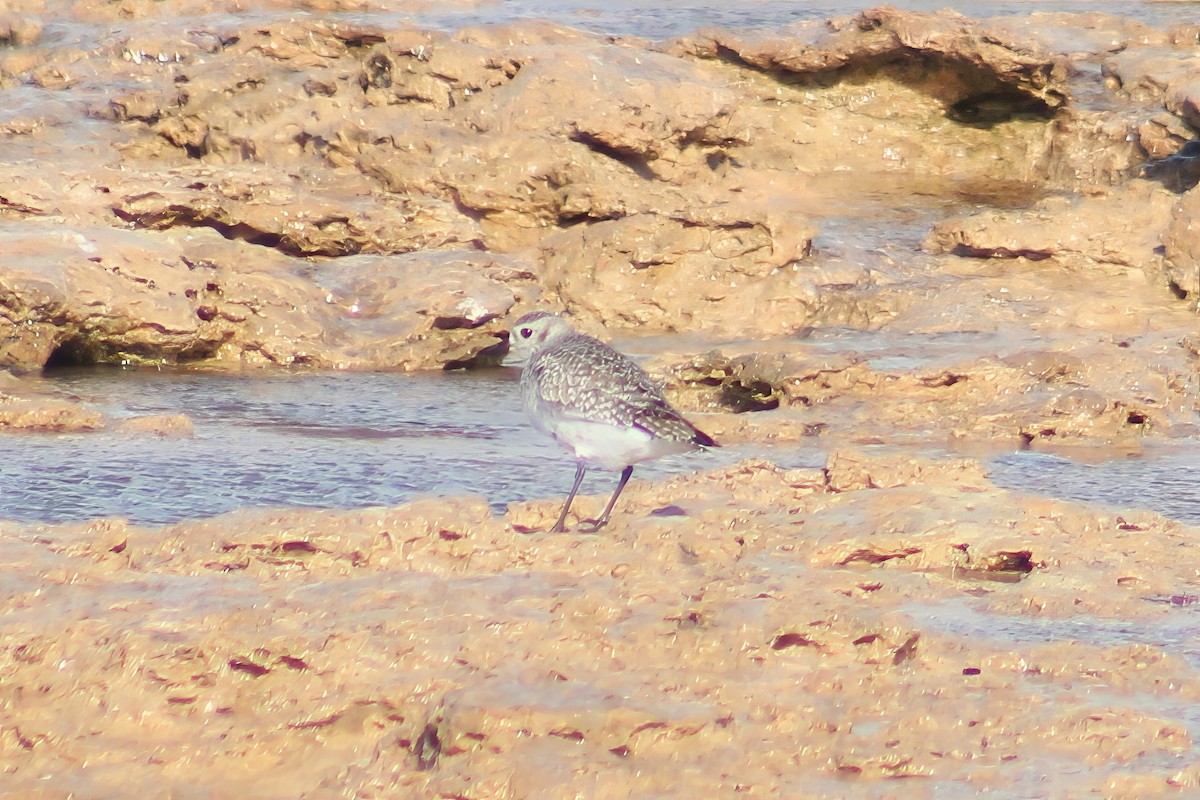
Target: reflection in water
[(328, 440)]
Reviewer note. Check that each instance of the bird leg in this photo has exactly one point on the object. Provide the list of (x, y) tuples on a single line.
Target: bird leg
[(597, 524), (561, 526)]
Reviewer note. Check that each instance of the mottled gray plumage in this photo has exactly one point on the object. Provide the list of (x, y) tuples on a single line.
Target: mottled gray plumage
[(595, 402), (581, 376)]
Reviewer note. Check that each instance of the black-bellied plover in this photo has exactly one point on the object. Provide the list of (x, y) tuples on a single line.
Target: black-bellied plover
[(596, 403)]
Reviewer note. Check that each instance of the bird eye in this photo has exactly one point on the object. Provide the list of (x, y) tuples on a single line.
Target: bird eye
[(526, 333)]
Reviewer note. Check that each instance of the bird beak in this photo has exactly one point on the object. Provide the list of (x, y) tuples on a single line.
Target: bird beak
[(510, 359)]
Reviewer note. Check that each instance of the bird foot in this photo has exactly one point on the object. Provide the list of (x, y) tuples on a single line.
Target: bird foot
[(585, 526)]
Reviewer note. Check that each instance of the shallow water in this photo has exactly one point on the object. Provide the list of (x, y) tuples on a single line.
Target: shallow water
[(324, 440), (652, 19), (352, 440), (655, 19), (1163, 482), (1174, 632)]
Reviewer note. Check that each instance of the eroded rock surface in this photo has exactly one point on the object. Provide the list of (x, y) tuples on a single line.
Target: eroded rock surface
[(1120, 227), (677, 186), (89, 295)]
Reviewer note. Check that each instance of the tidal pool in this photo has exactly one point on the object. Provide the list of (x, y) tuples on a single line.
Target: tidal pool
[(351, 440), (319, 440)]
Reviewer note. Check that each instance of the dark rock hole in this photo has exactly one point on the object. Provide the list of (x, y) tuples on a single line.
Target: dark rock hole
[(71, 352), (988, 109), (1177, 172), (752, 395)]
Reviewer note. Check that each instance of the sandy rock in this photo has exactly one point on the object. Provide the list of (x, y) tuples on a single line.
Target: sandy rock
[(1185, 35), (701, 179), (717, 268), (982, 62), (26, 406), (1000, 73), (542, 152), (1182, 245), (849, 471), (1087, 36), (20, 411), (19, 31), (1163, 75), (174, 426), (637, 107), (1107, 394), (351, 641), (275, 162), (388, 322), (429, 69), (99, 294), (519, 188), (108, 295), (1183, 98), (1163, 135), (261, 209), (366, 312), (1121, 227)]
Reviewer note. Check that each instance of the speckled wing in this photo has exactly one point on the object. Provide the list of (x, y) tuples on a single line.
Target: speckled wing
[(582, 378)]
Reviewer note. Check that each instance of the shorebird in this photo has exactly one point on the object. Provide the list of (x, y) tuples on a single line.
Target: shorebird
[(596, 403)]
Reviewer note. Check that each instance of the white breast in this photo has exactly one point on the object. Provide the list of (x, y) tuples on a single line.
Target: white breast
[(609, 446)]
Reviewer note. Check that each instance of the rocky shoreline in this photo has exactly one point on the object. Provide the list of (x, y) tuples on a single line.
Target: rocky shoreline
[(347, 197)]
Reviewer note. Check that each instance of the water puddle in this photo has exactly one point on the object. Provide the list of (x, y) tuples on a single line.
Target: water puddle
[(352, 440), (1163, 482), (903, 352), (1174, 633), (326, 440)]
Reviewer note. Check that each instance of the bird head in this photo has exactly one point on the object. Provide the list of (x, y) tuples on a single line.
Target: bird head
[(531, 333)]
